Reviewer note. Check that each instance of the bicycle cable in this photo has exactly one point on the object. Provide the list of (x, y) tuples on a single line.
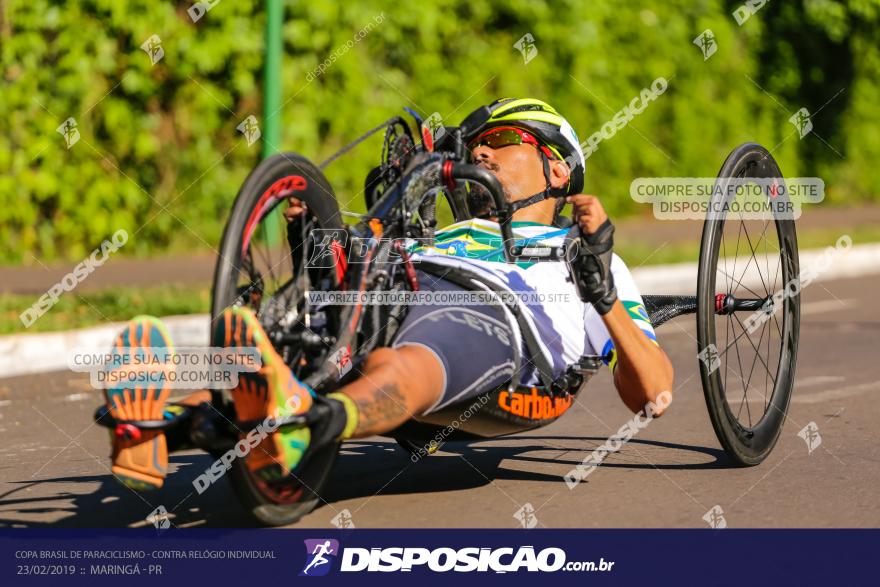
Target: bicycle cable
[(356, 142)]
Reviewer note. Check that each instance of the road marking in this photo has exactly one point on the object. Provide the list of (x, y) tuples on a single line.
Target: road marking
[(812, 398), (76, 397), (826, 306), (833, 394), (819, 380)]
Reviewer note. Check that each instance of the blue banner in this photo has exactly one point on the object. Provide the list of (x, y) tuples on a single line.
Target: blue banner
[(399, 557)]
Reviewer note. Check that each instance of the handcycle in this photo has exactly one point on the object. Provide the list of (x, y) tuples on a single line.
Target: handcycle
[(273, 266)]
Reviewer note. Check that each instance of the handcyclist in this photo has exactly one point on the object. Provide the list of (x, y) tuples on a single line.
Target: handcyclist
[(445, 353)]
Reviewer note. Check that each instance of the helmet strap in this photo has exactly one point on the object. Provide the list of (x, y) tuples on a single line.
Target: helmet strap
[(549, 191)]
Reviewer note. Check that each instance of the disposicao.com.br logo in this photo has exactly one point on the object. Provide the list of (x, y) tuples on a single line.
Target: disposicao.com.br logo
[(441, 560), (321, 552)]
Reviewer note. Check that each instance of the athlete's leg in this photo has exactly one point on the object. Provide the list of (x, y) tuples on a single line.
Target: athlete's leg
[(140, 458), (270, 393), (440, 355), (396, 385)]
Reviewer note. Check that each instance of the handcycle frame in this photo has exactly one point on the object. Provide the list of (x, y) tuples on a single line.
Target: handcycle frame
[(506, 410), (407, 176)]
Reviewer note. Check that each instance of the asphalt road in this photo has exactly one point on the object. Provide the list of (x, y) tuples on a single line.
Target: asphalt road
[(54, 469)]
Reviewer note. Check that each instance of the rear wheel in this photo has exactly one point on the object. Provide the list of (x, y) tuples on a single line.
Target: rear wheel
[(268, 264), (747, 359)]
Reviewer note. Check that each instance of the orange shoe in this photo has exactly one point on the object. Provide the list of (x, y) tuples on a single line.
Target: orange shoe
[(272, 391), (140, 457)]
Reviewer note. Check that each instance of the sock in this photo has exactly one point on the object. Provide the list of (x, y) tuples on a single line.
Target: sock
[(351, 414)]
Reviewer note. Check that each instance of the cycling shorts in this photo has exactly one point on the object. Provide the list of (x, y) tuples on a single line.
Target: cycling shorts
[(473, 343)]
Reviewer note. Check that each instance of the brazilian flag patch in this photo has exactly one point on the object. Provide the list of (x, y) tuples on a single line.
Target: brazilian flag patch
[(639, 315), (637, 311)]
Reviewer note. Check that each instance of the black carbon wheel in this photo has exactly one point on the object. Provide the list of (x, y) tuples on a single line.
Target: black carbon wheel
[(266, 263), (747, 358)]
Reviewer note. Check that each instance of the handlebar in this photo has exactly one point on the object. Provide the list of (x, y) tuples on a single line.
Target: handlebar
[(437, 169), (453, 170), (467, 172)]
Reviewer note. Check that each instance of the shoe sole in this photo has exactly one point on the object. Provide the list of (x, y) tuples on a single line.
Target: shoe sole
[(140, 461), (263, 394)]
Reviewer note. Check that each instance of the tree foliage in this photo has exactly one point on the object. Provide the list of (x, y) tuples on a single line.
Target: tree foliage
[(159, 154)]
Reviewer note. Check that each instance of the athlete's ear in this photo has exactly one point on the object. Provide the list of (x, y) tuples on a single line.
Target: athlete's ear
[(559, 173)]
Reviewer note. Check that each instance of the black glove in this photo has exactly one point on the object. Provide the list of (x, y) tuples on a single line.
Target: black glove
[(589, 264)]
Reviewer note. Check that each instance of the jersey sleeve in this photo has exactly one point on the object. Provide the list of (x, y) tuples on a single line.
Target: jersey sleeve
[(629, 296)]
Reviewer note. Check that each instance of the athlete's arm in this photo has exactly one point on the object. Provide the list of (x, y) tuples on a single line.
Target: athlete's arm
[(643, 370)]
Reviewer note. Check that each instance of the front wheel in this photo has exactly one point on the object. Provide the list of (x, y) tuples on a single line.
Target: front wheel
[(267, 264), (747, 358)]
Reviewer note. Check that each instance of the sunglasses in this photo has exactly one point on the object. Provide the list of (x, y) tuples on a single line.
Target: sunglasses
[(496, 138)]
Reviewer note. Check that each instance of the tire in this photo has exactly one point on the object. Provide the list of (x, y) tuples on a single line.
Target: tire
[(319, 198), (748, 443), (270, 507)]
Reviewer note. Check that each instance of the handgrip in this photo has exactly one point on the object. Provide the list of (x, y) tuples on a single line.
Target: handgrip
[(467, 172)]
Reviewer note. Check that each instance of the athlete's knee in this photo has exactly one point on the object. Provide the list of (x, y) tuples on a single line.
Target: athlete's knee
[(416, 371), (383, 358), (392, 364)]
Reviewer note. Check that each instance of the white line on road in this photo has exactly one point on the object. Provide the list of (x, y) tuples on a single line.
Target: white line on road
[(826, 306), (833, 394), (818, 397), (819, 380)]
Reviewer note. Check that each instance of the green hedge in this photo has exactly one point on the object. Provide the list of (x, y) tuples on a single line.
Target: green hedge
[(160, 155)]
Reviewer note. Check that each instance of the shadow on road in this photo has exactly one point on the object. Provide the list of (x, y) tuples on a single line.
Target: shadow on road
[(367, 468), (363, 469)]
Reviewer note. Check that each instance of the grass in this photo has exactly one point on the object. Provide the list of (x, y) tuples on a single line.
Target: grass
[(78, 310), (638, 253)]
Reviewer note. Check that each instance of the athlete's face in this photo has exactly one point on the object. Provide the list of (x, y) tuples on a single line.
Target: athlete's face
[(519, 169)]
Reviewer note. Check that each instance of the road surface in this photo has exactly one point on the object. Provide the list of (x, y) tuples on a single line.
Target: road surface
[(54, 469)]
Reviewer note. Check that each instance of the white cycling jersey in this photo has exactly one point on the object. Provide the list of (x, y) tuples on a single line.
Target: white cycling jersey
[(566, 327)]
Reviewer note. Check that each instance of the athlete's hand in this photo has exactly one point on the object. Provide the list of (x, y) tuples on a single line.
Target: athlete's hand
[(590, 247), (587, 212), (295, 208)]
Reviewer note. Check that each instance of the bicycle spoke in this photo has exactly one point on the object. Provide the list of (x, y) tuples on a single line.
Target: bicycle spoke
[(735, 340), (755, 360), (724, 247), (767, 375), (735, 254), (748, 289), (778, 268), (767, 257), (757, 353), (739, 362), (262, 258), (778, 328), (757, 265), (726, 345)]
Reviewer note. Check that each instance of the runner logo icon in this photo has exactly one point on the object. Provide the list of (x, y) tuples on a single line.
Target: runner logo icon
[(320, 553)]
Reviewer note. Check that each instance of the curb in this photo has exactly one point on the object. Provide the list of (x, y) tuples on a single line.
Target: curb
[(26, 354), (681, 278)]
